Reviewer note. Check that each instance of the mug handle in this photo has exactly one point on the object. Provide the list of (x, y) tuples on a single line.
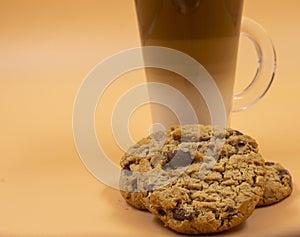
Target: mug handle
[(266, 66)]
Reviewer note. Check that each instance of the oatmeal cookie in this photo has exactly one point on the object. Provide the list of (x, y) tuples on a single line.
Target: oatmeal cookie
[(195, 178), (278, 184)]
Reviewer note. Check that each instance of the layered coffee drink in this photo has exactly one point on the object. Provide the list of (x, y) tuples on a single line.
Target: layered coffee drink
[(208, 31)]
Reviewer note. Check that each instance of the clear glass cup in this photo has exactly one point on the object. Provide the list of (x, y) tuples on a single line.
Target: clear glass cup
[(208, 31)]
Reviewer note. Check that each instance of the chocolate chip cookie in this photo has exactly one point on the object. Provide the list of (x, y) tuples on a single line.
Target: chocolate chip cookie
[(196, 179), (278, 184)]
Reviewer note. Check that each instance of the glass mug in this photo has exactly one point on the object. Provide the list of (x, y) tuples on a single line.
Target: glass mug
[(208, 31)]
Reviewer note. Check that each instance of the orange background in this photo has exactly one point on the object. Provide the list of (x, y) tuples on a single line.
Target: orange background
[(46, 50)]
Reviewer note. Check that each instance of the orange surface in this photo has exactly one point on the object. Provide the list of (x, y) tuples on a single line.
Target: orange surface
[(46, 50)]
